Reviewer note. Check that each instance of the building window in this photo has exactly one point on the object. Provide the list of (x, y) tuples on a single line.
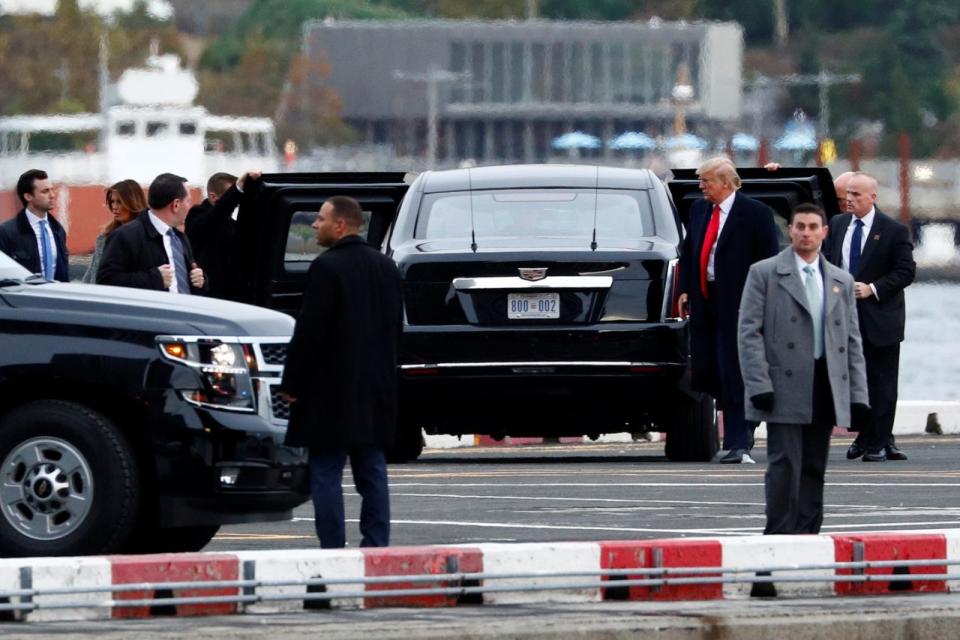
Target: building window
[(156, 128), (188, 128), (498, 72), (126, 128)]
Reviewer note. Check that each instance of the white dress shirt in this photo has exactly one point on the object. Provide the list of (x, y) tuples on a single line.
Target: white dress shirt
[(34, 220), (162, 228), (725, 207), (867, 221)]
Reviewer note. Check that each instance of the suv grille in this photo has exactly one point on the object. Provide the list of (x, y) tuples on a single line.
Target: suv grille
[(280, 408), (274, 353)]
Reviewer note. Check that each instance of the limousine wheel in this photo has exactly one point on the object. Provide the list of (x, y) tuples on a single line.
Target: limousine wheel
[(408, 445), (68, 481), (692, 436)]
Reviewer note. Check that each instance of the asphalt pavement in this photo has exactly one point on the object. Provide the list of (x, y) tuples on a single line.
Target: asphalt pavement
[(609, 491)]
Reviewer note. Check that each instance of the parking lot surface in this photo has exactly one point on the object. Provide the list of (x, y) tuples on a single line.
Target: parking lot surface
[(602, 491)]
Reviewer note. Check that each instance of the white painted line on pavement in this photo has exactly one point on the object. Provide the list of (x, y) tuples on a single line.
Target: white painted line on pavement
[(513, 525), (703, 485), (566, 499)]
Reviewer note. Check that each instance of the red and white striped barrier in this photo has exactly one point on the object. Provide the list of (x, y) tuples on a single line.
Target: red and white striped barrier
[(574, 566)]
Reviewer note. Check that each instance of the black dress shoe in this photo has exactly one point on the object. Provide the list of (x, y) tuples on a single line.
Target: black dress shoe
[(763, 589), (879, 455), (893, 453), (854, 451)]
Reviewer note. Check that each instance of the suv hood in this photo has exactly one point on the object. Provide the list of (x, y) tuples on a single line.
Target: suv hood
[(143, 310)]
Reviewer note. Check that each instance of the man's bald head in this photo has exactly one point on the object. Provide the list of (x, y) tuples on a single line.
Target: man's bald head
[(840, 186), (861, 193)]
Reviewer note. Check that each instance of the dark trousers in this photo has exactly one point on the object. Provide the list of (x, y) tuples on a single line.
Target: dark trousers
[(369, 467), (737, 432), (796, 464), (883, 366)]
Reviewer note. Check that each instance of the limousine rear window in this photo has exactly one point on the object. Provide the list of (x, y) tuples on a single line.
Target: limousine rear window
[(533, 214)]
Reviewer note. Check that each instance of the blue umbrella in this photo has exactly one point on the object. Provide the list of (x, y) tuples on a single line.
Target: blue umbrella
[(797, 136), (744, 142), (686, 141), (576, 140), (632, 140)]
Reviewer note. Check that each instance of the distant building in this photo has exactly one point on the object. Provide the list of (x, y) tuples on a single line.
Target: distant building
[(528, 83)]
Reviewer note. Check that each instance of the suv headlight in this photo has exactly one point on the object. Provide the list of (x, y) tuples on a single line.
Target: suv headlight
[(225, 365)]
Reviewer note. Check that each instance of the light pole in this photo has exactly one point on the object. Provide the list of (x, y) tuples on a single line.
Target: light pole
[(432, 78)]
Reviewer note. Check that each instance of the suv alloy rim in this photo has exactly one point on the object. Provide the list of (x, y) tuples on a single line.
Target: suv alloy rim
[(46, 488)]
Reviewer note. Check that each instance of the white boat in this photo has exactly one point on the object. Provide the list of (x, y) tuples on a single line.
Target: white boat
[(148, 125)]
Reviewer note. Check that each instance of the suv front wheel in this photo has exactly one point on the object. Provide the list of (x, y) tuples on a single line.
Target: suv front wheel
[(68, 481)]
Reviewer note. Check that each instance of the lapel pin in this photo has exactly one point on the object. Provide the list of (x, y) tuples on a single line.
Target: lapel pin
[(836, 289), (876, 237)]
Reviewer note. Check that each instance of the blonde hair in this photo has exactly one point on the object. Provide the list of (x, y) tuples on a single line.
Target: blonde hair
[(722, 167)]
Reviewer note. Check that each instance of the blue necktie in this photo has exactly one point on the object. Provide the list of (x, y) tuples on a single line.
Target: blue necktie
[(46, 252), (856, 242), (179, 263)]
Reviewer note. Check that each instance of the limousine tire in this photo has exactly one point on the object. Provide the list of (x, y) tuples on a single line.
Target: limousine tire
[(692, 436), (408, 446), (70, 482)]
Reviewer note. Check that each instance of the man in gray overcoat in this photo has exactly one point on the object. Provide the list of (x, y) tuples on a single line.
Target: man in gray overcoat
[(803, 368)]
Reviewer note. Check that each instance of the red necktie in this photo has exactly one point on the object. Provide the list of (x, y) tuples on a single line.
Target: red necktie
[(713, 228)]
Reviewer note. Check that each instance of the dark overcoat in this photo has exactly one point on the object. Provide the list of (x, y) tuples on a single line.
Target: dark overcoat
[(211, 228), (887, 263), (342, 361), (18, 241), (134, 251), (749, 235)]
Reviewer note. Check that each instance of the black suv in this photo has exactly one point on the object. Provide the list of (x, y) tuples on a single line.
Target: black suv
[(540, 299), (136, 420)]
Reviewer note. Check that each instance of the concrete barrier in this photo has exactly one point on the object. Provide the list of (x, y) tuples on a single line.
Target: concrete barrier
[(746, 554)]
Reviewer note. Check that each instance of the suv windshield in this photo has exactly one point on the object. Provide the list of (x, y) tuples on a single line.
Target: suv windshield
[(531, 213), (11, 269)]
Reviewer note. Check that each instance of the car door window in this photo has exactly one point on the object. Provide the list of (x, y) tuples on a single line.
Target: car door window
[(302, 245)]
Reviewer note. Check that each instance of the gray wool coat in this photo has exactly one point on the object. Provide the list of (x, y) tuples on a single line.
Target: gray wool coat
[(776, 341)]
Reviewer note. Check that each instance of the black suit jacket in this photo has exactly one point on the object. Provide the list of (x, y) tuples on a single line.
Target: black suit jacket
[(210, 228), (749, 235), (887, 263), (134, 251), (18, 241), (342, 360)]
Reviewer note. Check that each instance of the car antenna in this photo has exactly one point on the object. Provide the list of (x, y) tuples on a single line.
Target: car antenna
[(473, 231), (596, 198)]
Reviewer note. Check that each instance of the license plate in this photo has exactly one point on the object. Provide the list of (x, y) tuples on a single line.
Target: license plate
[(521, 306)]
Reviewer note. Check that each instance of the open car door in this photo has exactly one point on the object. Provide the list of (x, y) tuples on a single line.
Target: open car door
[(275, 242), (781, 190)]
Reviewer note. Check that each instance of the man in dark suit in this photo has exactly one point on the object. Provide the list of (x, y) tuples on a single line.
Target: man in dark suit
[(876, 250), (33, 237), (150, 252), (341, 374), (727, 232), (210, 228)]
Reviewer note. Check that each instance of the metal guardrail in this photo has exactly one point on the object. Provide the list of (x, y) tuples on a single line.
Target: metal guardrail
[(463, 584)]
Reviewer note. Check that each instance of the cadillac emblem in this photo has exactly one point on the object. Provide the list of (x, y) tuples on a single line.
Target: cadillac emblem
[(533, 273)]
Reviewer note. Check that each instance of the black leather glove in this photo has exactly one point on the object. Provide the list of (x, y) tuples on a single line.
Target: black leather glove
[(763, 401), (859, 416)]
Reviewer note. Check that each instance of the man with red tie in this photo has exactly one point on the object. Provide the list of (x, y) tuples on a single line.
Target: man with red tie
[(726, 233)]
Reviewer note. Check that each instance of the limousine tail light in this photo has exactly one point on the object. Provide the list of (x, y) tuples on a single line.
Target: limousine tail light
[(671, 306)]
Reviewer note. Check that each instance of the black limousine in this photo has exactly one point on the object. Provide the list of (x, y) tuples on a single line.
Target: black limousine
[(540, 299)]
